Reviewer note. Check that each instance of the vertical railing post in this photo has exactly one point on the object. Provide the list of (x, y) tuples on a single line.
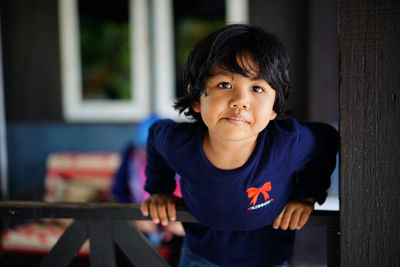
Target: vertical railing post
[(101, 244), (332, 246), (67, 246)]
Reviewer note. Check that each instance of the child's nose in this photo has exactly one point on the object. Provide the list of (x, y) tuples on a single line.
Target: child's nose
[(240, 100)]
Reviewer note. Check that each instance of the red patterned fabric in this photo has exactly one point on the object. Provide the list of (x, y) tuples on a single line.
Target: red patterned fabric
[(77, 177)]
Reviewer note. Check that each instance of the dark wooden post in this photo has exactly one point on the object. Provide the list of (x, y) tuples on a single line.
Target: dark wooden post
[(369, 85)]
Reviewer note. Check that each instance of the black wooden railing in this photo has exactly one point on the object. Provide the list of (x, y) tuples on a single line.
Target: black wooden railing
[(106, 224)]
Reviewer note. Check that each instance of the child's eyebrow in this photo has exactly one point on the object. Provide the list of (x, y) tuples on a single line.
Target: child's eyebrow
[(221, 72), (258, 78)]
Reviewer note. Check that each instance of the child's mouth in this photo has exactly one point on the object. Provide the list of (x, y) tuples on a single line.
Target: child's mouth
[(237, 120)]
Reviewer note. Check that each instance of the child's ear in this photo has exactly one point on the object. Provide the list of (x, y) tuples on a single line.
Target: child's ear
[(196, 107), (273, 115)]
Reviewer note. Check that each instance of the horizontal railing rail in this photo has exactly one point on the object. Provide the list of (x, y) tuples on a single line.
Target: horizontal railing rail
[(106, 224), (117, 211)]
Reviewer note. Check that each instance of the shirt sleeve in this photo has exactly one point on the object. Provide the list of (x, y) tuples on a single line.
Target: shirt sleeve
[(316, 155), (160, 177)]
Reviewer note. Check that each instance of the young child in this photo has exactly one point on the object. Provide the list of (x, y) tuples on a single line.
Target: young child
[(244, 173)]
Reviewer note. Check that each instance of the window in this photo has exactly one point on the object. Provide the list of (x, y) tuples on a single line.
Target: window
[(172, 43), (104, 60), (105, 52)]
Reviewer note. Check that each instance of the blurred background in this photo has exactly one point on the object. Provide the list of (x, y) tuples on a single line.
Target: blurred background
[(80, 76)]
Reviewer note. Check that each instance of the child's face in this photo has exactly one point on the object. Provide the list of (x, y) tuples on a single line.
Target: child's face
[(236, 107)]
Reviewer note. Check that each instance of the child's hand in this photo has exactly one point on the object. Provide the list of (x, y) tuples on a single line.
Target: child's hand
[(295, 214), (161, 207)]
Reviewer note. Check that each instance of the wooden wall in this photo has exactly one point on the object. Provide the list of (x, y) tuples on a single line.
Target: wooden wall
[(31, 60), (289, 21), (35, 123), (308, 28), (369, 45)]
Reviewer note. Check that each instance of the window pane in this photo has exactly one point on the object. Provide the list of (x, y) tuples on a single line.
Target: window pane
[(105, 49), (193, 20)]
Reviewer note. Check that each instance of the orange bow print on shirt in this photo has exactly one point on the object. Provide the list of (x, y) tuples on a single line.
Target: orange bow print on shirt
[(253, 192)]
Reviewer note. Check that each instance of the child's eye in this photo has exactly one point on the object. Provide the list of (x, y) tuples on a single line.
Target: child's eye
[(225, 85), (257, 89)]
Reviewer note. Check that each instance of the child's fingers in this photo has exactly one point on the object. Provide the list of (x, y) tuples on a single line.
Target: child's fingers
[(277, 221), (160, 207), (162, 213), (172, 210), (144, 208), (303, 219), (294, 220), (286, 218), (154, 212)]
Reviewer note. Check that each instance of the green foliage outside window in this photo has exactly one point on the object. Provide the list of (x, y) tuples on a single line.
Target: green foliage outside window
[(190, 31), (105, 53)]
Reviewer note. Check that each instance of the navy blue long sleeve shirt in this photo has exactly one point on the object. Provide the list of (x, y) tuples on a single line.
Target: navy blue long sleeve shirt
[(235, 207)]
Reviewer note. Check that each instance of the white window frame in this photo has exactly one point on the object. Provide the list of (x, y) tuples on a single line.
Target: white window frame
[(164, 69), (75, 109)]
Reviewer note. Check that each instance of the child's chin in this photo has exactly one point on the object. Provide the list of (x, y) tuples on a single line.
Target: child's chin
[(236, 136)]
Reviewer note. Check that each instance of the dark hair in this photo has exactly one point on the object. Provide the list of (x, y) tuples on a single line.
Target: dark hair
[(221, 49)]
